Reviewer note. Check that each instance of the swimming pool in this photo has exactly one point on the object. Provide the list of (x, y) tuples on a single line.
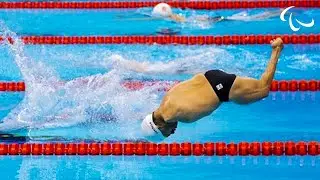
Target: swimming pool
[(283, 116)]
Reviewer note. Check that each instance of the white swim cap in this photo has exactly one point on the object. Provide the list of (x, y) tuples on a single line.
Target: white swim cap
[(162, 9), (150, 130)]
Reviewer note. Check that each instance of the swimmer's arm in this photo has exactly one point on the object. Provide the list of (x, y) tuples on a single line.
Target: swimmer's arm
[(277, 46), (177, 18)]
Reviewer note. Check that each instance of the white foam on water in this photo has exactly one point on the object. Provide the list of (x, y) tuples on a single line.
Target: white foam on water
[(303, 62), (50, 102)]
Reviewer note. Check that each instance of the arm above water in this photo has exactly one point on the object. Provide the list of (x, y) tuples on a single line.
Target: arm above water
[(267, 76)]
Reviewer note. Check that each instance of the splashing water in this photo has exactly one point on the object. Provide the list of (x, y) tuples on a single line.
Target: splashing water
[(303, 62), (50, 102)]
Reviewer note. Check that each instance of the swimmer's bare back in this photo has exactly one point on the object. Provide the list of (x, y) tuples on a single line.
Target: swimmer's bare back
[(195, 98), (188, 101)]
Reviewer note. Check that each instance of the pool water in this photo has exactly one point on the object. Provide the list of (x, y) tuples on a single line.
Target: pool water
[(130, 21), (50, 72)]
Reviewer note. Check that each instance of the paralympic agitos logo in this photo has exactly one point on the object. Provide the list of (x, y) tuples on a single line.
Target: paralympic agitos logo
[(292, 26)]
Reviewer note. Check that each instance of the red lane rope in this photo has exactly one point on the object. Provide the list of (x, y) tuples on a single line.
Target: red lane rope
[(277, 148), (230, 4), (282, 85), (185, 40)]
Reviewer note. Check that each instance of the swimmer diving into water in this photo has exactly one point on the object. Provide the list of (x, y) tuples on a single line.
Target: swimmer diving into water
[(199, 96)]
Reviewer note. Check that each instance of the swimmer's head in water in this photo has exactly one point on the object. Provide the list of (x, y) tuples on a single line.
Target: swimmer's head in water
[(157, 129), (162, 10), (150, 130)]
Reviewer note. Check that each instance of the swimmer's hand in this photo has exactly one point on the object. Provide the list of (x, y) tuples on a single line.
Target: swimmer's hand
[(277, 43)]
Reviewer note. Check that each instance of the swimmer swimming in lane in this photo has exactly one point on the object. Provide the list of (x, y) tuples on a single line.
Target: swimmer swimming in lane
[(163, 10), (199, 96)]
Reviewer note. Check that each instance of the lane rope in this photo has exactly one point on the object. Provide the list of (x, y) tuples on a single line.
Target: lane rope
[(282, 85), (277, 148), (209, 5), (164, 40)]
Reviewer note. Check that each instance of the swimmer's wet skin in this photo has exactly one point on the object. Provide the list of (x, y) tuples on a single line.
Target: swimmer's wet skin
[(199, 96)]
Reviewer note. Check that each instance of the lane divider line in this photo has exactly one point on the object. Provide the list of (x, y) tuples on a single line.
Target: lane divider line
[(282, 85), (277, 148), (165, 40), (193, 4)]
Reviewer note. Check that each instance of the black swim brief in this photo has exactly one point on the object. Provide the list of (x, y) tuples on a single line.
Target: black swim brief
[(221, 83)]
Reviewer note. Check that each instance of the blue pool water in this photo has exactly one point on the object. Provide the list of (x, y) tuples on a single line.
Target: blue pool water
[(128, 22), (46, 69)]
